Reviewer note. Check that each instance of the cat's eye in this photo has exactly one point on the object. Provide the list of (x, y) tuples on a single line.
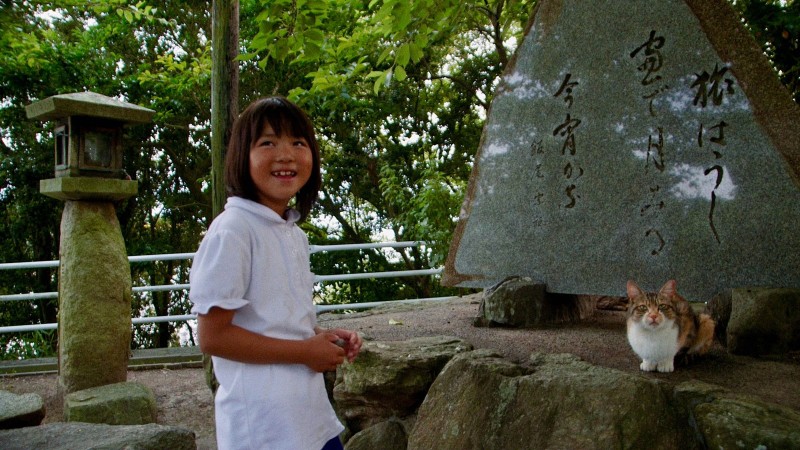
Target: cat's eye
[(664, 307), (641, 309)]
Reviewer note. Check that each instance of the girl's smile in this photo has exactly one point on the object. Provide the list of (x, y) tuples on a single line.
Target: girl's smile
[(279, 167)]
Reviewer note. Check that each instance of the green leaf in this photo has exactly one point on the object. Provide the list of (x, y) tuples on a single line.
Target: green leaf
[(246, 56), (317, 5), (402, 19), (385, 54), (381, 81), (280, 50), (416, 52), (312, 51), (403, 55), (400, 73), (315, 35)]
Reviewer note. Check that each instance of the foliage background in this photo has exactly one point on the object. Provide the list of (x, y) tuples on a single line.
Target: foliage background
[(398, 90)]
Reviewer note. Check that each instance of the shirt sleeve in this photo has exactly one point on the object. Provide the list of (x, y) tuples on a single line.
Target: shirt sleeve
[(220, 273)]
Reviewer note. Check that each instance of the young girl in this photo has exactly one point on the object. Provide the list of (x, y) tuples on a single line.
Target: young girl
[(251, 286)]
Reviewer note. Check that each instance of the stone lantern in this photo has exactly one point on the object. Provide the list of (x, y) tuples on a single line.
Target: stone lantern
[(94, 287), (88, 145)]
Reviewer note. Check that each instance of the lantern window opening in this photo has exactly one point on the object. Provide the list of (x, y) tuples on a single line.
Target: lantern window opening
[(98, 147), (62, 144)]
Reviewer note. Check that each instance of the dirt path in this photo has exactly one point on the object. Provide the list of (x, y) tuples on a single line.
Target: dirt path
[(184, 400)]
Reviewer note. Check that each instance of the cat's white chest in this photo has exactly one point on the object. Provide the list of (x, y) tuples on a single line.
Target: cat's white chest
[(656, 347)]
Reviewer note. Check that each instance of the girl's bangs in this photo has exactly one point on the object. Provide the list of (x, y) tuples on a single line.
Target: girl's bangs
[(284, 120)]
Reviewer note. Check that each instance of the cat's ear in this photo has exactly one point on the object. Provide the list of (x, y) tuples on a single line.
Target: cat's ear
[(633, 290), (668, 290)]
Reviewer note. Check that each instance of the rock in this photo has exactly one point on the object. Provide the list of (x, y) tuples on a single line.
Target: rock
[(20, 410), (388, 435), (764, 321), (519, 302), (561, 188), (74, 435), (481, 400), (555, 401), (609, 303), (390, 379), (719, 308), (127, 403), (731, 423), (727, 420)]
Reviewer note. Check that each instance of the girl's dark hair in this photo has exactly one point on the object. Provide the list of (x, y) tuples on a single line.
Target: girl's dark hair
[(285, 118)]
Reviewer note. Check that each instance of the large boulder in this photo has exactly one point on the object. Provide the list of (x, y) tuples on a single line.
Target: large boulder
[(390, 379), (20, 410), (764, 321), (126, 403), (481, 400), (728, 420), (519, 302), (74, 435), (388, 435)]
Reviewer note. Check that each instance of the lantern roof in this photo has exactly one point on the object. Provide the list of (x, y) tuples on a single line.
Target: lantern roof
[(88, 104)]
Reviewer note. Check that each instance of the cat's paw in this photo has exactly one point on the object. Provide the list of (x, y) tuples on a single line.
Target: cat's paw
[(647, 366), (666, 366)]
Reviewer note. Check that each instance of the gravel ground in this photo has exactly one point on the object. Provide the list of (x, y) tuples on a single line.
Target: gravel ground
[(184, 400)]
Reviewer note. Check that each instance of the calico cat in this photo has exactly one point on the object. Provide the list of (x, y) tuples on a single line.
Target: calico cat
[(664, 324)]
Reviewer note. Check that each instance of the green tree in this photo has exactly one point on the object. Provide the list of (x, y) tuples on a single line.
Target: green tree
[(775, 25), (116, 49), (398, 90), (166, 68), (37, 55)]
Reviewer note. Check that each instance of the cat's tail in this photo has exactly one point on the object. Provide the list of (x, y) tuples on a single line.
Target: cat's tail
[(705, 335)]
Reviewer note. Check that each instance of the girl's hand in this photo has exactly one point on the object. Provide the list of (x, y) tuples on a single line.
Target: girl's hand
[(351, 342), (323, 353)]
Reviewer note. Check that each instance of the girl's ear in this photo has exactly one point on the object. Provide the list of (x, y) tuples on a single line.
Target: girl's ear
[(668, 290), (633, 290)]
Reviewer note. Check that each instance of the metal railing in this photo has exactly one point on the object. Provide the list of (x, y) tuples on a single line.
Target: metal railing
[(177, 287)]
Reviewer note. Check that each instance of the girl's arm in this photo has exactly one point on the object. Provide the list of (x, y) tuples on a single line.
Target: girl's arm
[(218, 336)]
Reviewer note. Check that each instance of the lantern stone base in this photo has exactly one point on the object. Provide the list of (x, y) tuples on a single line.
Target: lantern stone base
[(88, 188)]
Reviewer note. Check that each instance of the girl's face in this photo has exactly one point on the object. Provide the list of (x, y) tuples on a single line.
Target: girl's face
[(279, 167)]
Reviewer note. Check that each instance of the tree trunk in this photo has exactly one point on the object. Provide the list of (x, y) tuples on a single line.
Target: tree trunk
[(224, 91), (224, 108)]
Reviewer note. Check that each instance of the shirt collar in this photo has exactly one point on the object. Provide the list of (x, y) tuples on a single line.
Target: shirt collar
[(260, 210)]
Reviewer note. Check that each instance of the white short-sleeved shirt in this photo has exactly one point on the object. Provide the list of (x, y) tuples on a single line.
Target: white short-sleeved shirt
[(255, 262)]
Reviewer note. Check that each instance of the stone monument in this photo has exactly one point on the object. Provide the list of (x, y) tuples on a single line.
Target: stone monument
[(94, 281), (635, 140)]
